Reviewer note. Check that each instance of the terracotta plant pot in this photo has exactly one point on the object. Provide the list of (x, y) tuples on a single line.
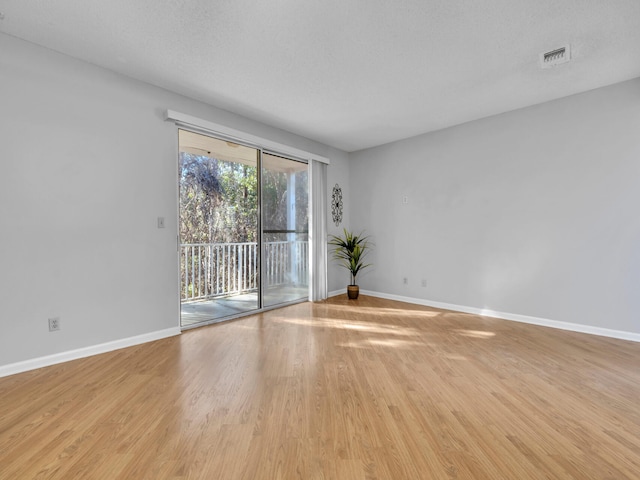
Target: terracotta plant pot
[(353, 291)]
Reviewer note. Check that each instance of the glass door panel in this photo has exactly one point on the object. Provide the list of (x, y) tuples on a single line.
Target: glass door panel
[(285, 231), (219, 253)]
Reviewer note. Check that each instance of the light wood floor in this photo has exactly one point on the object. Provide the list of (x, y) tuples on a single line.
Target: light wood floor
[(367, 389)]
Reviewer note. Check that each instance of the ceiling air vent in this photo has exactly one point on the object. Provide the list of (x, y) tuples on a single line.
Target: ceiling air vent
[(555, 57)]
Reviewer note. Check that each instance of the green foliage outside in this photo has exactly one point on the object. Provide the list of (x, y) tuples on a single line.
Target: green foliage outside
[(219, 201), (219, 205)]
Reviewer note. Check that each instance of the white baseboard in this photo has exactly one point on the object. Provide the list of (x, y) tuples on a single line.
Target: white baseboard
[(32, 364), (574, 327), (48, 360)]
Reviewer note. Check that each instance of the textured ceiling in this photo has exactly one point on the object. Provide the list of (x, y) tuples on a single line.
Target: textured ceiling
[(348, 73)]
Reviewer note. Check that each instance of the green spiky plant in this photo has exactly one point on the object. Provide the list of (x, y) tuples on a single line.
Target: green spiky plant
[(350, 251)]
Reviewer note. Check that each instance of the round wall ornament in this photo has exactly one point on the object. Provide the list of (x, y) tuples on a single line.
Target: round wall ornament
[(336, 205)]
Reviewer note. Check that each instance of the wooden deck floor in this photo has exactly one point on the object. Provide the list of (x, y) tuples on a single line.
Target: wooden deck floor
[(366, 389)]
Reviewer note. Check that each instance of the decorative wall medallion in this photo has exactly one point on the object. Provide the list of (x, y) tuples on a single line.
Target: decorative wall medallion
[(336, 205)]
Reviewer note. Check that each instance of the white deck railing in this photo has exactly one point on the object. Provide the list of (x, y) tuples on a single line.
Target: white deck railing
[(210, 270)]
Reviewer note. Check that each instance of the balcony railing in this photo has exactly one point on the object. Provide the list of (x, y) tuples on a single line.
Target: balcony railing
[(211, 270)]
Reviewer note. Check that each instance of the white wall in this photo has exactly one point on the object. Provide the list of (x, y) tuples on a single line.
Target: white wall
[(338, 277), (88, 164), (534, 212)]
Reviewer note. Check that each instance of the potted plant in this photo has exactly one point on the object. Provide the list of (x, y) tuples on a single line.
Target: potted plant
[(350, 251)]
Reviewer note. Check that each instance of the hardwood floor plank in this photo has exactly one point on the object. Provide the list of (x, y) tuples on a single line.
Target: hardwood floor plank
[(367, 389)]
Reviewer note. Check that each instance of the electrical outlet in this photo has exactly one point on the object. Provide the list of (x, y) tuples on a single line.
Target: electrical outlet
[(405, 281), (424, 282), (54, 324)]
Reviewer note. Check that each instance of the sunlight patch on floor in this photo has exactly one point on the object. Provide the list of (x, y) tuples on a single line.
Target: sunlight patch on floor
[(475, 333), (384, 311), (381, 342), (367, 327)]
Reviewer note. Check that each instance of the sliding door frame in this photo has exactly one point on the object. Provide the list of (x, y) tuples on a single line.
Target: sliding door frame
[(317, 199), (260, 224), (261, 216)]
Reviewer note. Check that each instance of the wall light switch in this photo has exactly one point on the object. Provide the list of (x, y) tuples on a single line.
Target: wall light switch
[(160, 222)]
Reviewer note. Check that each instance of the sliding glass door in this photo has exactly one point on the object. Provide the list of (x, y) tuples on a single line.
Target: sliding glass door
[(285, 229), (219, 254), (232, 261)]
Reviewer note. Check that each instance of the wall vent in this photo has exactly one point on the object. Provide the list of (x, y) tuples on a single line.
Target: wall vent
[(555, 57)]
